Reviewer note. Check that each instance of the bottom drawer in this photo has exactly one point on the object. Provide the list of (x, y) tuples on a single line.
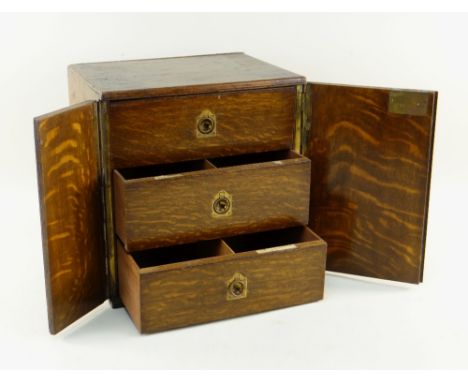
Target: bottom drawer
[(189, 284)]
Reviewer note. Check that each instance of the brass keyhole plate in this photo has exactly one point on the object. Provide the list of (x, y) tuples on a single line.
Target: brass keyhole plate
[(206, 124), (236, 287), (222, 205)]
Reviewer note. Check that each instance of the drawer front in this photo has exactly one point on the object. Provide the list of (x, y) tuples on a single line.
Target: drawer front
[(221, 287), (172, 129), (153, 212)]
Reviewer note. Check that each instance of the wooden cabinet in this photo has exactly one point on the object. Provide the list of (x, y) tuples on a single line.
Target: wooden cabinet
[(185, 189)]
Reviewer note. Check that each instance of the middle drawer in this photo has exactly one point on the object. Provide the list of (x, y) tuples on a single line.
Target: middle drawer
[(185, 202)]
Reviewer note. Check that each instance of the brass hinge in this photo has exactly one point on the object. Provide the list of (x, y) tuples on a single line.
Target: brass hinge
[(298, 128), (306, 108)]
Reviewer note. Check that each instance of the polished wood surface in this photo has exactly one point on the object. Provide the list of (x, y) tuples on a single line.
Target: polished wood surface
[(195, 291), (71, 217), (163, 205), (181, 75), (370, 179), (165, 129)]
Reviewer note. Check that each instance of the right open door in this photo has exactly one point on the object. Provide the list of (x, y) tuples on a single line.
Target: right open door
[(371, 152)]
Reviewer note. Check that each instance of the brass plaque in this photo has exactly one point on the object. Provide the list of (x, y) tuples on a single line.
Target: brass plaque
[(409, 103)]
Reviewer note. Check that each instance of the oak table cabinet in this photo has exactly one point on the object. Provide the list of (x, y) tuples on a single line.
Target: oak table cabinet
[(194, 189)]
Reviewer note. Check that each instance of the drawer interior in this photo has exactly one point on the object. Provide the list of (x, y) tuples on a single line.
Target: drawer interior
[(164, 169), (238, 160), (268, 241), (271, 239), (180, 253)]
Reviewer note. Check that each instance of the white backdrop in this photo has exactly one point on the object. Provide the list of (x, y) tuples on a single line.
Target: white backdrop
[(360, 323)]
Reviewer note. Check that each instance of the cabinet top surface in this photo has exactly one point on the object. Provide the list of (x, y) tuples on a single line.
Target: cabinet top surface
[(181, 75)]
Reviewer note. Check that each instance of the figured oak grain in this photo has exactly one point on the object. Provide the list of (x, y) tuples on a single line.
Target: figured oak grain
[(194, 292), (370, 181), (167, 210), (70, 202), (134, 79), (157, 130)]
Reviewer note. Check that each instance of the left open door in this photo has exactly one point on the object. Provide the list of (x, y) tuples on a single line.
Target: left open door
[(67, 154)]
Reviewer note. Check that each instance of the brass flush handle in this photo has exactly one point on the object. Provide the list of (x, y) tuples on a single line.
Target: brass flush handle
[(206, 124), (222, 204), (236, 287)]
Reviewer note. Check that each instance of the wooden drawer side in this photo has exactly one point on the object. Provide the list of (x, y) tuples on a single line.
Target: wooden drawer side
[(129, 284)]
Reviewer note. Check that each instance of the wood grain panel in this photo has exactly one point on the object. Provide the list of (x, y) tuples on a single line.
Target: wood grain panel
[(181, 75), (70, 201), (144, 132), (161, 211), (194, 292), (370, 179)]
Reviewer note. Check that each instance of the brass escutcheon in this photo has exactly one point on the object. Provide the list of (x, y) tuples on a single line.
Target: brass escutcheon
[(236, 287), (206, 124), (222, 204)]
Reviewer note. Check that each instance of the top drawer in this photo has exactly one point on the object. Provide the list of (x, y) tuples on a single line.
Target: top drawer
[(172, 129)]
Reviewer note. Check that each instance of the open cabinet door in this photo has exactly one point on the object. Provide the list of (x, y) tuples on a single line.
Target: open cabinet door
[(371, 152), (70, 202)]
